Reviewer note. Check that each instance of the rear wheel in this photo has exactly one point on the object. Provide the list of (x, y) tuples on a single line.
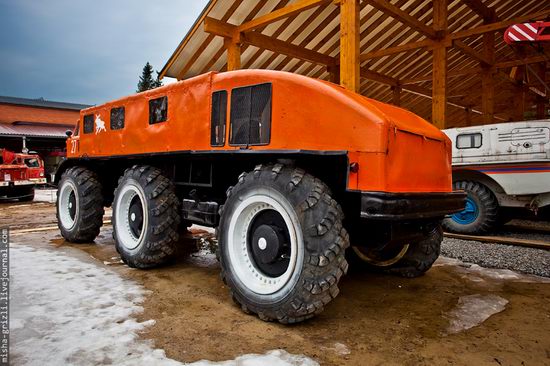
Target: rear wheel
[(282, 244), (27, 195), (481, 213), (145, 217), (406, 260), (79, 205)]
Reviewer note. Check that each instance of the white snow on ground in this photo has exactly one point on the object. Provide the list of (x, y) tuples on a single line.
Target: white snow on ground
[(67, 310), (45, 195), (477, 273), (473, 310)]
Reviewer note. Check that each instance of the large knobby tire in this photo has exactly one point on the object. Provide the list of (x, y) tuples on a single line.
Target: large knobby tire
[(27, 195), (481, 214), (79, 205), (406, 260), (282, 244), (145, 217)]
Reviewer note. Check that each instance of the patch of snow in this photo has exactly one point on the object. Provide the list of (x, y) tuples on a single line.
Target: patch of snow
[(45, 195), (477, 273), (339, 348), (67, 310), (473, 310)]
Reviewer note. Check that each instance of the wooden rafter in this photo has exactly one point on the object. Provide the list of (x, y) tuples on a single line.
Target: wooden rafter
[(476, 55), (480, 8), (279, 14), (397, 49), (227, 30), (392, 10)]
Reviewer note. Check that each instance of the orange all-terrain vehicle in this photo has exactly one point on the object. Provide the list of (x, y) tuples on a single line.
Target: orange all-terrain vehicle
[(290, 170)]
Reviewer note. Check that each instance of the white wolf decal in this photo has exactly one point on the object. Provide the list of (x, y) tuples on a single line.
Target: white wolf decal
[(99, 124)]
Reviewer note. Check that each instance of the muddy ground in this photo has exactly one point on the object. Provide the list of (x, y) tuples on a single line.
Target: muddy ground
[(376, 320)]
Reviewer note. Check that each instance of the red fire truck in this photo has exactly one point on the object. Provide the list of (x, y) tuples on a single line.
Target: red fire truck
[(19, 173)]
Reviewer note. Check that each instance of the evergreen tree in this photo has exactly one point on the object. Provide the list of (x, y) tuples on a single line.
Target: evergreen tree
[(146, 80)]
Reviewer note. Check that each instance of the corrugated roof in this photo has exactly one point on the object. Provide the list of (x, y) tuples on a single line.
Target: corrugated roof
[(33, 130), (42, 103), (317, 29)]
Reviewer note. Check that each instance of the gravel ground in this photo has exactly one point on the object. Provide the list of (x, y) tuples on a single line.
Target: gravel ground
[(521, 259)]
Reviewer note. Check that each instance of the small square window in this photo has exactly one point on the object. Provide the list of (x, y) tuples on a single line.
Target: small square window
[(468, 141), (158, 110), (218, 118), (117, 118), (89, 123)]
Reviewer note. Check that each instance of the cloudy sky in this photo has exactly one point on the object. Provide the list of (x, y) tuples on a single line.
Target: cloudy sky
[(87, 51)]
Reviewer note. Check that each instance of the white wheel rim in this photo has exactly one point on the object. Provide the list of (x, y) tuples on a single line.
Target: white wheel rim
[(122, 219), (65, 205), (242, 264)]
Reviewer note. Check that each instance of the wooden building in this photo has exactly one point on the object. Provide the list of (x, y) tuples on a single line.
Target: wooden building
[(444, 60)]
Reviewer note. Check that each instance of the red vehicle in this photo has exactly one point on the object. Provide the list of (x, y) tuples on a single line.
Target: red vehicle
[(19, 173), (527, 33)]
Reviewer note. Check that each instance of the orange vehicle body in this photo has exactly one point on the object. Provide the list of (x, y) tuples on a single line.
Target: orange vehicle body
[(388, 148)]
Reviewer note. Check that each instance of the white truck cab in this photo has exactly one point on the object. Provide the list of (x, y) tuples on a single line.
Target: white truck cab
[(501, 167)]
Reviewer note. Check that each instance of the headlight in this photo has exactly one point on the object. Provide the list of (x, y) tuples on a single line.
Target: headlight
[(41, 174)]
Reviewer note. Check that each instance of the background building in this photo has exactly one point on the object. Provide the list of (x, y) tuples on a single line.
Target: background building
[(37, 125)]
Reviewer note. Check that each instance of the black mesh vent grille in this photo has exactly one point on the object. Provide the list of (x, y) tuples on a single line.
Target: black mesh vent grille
[(158, 110), (218, 118), (89, 123), (117, 118), (251, 115)]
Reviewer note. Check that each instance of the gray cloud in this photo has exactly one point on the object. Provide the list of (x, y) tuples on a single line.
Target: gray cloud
[(87, 51)]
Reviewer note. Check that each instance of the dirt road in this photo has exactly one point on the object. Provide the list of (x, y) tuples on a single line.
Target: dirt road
[(376, 320)]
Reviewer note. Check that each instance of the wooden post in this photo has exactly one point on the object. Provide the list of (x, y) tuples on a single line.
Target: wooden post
[(519, 95), (487, 80), (439, 73), (541, 102), (334, 72), (468, 116), (233, 54), (396, 95), (349, 45)]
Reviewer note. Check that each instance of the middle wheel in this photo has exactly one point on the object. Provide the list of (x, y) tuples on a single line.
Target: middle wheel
[(282, 244), (145, 217)]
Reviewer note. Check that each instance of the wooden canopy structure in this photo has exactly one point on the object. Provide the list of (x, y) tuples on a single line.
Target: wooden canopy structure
[(445, 60)]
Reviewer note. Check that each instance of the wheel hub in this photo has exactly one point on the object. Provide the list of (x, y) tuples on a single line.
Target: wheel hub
[(269, 243), (468, 215), (135, 216), (72, 205)]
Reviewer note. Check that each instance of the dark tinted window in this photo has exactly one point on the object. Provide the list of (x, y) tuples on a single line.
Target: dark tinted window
[(158, 110), (218, 118), (117, 118), (89, 123), (251, 115)]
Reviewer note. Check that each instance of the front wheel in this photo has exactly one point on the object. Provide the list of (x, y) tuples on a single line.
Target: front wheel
[(79, 206), (145, 217), (282, 244)]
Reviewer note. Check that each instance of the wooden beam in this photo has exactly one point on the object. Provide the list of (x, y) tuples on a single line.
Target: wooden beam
[(477, 70), (397, 49), (334, 74), (487, 79), (542, 101), (439, 71), (279, 14), (396, 96), (285, 48), (349, 45), (523, 61), (380, 78), (233, 54), (398, 14), (476, 55), (227, 30), (487, 13), (493, 27)]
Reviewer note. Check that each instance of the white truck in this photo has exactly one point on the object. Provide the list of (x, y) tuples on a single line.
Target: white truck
[(503, 168)]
